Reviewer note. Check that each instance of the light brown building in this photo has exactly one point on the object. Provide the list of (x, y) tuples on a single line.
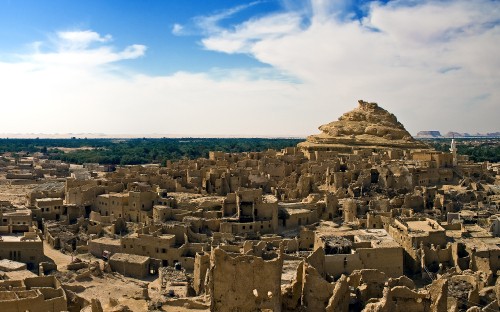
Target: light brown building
[(27, 248)]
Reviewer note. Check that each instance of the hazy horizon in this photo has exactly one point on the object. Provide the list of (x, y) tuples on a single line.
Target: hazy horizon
[(144, 135), (158, 136)]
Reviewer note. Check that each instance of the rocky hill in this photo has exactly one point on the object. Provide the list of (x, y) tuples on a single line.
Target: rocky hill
[(367, 126)]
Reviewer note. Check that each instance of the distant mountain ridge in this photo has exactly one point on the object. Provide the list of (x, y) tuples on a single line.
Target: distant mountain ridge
[(429, 134), (432, 134)]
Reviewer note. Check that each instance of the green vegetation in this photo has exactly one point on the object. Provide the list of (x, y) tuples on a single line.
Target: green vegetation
[(142, 151), (138, 151), (477, 149)]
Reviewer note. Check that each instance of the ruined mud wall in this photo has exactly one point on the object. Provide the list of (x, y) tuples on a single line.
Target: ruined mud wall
[(244, 283)]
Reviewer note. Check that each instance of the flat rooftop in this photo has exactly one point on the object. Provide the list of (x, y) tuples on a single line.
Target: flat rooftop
[(9, 265), (379, 238), (482, 244), (19, 275), (114, 195), (425, 225), (292, 211), (269, 198), (46, 200), (18, 238), (21, 212), (122, 257), (146, 236), (107, 241)]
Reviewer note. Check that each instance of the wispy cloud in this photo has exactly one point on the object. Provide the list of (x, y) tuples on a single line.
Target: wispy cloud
[(177, 29), (209, 24), (244, 36), (81, 48), (76, 40)]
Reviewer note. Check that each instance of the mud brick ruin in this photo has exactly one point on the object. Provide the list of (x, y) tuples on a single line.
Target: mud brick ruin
[(361, 217)]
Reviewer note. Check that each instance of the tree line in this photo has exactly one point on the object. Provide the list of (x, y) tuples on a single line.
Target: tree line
[(147, 150), (478, 150), (140, 151)]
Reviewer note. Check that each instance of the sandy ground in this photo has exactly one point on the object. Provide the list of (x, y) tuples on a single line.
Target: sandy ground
[(181, 309), (60, 259), (113, 286)]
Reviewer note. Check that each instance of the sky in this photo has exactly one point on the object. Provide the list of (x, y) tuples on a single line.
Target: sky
[(246, 68)]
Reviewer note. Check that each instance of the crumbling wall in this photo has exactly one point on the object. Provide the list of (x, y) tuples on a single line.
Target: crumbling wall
[(399, 294), (439, 295), (292, 293), (350, 210), (244, 283), (339, 264), (388, 260), (316, 291), (369, 283), (201, 265), (317, 260), (339, 301)]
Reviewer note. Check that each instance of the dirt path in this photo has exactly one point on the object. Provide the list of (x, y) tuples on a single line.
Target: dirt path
[(59, 258)]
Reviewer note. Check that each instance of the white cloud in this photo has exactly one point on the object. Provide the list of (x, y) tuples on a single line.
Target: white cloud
[(80, 39), (77, 90), (434, 22), (434, 64), (177, 29), (210, 23), (61, 100), (245, 35), (93, 57), (81, 48)]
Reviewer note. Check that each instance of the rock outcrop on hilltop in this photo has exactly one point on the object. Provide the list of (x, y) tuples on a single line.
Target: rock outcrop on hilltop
[(367, 126)]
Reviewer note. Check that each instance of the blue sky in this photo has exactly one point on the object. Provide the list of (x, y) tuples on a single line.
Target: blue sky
[(249, 68), (146, 22)]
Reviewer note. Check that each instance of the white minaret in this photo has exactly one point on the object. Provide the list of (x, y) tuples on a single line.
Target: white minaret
[(453, 150)]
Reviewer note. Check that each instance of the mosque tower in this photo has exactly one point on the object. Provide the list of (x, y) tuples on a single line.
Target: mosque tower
[(453, 150)]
